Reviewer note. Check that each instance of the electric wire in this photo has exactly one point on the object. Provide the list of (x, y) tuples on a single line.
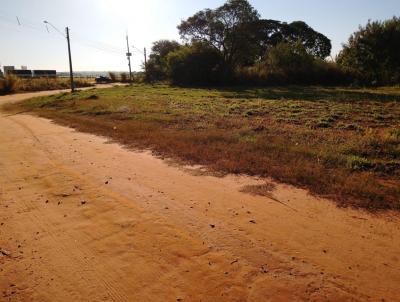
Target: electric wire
[(20, 22)]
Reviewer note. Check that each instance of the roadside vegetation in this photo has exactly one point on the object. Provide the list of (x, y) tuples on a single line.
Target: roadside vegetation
[(121, 77), (233, 45), (338, 142), (13, 84)]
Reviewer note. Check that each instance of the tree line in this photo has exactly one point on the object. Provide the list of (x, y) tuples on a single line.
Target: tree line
[(232, 44)]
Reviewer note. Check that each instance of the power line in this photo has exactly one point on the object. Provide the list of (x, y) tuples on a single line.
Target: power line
[(15, 23), (89, 43), (101, 44), (23, 23), (138, 50)]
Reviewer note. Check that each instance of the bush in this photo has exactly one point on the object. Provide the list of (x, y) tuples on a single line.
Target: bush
[(290, 59), (373, 53), (195, 64), (290, 63), (124, 77), (9, 84), (154, 72), (112, 76), (156, 67)]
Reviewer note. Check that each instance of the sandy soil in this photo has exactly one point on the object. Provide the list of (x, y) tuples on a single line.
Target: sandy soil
[(83, 219)]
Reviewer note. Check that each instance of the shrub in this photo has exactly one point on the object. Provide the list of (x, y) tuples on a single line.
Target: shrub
[(124, 77), (290, 63), (9, 84), (290, 59), (112, 76), (195, 64), (156, 67), (359, 163), (154, 72), (373, 53)]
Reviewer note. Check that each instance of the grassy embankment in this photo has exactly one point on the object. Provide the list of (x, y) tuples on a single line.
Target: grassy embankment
[(12, 84), (339, 143)]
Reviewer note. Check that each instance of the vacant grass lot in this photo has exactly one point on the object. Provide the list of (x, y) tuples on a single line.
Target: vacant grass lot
[(340, 143)]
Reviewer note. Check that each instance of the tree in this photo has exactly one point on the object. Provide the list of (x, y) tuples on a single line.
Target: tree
[(290, 60), (269, 33), (198, 63), (373, 53), (314, 42), (236, 30), (219, 27), (162, 48), (156, 67)]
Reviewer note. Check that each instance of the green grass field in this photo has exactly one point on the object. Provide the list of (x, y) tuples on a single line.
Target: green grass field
[(337, 142)]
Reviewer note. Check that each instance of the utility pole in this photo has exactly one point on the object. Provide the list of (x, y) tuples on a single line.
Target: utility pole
[(145, 60), (129, 55), (71, 73)]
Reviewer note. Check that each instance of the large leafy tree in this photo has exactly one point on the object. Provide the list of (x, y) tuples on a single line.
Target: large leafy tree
[(314, 42), (266, 34), (237, 31), (373, 52), (219, 27), (162, 48), (156, 67)]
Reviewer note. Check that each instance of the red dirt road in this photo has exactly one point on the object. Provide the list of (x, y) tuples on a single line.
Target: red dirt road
[(82, 219)]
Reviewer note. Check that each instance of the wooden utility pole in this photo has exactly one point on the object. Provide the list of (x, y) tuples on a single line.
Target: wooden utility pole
[(145, 60), (129, 55), (71, 73)]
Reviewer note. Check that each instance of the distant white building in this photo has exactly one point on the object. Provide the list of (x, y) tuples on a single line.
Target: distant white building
[(24, 72)]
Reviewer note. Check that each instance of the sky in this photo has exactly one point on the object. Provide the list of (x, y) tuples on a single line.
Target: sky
[(98, 27)]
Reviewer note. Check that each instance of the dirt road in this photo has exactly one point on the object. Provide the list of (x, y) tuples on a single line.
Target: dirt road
[(83, 219)]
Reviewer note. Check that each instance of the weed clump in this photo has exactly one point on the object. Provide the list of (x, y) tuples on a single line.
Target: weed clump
[(9, 84)]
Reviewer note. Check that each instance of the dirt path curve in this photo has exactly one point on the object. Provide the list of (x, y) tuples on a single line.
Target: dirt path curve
[(86, 220)]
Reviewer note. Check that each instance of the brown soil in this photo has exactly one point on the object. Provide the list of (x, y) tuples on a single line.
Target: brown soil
[(85, 220)]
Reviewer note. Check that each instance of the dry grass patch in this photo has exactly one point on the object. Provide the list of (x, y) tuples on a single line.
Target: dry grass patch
[(266, 189), (13, 84)]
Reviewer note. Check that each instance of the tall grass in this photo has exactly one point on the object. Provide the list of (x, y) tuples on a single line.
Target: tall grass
[(12, 84), (318, 72), (9, 84)]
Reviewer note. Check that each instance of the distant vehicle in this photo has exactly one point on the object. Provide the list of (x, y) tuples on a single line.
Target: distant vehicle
[(103, 80)]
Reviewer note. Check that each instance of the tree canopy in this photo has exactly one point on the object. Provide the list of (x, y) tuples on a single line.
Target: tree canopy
[(218, 27), (373, 52), (162, 48), (237, 31), (233, 44), (156, 67)]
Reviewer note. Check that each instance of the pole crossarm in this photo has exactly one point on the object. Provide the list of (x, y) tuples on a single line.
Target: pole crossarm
[(59, 31)]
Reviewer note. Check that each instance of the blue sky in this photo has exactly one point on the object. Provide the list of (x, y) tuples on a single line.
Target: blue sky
[(98, 27)]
